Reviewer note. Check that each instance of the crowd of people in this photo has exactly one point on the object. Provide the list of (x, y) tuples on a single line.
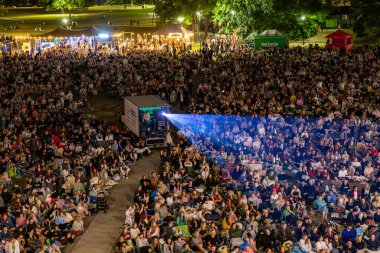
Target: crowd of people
[(289, 162), (300, 149), (55, 156), (5, 38)]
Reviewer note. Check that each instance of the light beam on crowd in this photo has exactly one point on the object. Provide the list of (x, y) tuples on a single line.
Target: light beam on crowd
[(241, 134), (192, 125), (208, 131)]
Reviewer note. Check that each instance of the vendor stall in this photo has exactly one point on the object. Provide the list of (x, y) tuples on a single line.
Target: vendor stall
[(173, 36), (83, 40), (339, 40), (269, 39)]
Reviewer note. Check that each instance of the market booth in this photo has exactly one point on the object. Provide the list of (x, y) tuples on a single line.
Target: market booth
[(173, 35), (269, 39), (82, 40), (339, 40)]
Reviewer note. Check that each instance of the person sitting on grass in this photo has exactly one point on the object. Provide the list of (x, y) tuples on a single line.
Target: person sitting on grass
[(321, 205), (348, 234)]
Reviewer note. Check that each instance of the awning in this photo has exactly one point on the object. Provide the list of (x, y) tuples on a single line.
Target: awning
[(338, 34), (173, 28), (60, 32)]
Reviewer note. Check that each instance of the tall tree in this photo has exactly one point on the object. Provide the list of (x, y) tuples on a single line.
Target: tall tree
[(169, 10), (365, 16), (205, 9), (45, 3), (64, 5), (296, 18), (243, 16)]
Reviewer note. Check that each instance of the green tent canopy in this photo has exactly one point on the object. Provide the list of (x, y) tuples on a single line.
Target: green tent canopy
[(270, 38)]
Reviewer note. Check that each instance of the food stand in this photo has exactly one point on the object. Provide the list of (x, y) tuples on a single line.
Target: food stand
[(339, 40), (174, 36), (269, 39), (83, 40)]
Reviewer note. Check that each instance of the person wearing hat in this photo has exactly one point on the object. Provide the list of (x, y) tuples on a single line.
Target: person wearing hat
[(284, 233)]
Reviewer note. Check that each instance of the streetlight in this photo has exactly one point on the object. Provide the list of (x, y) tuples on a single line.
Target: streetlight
[(180, 20), (65, 21), (233, 12), (199, 14), (303, 18)]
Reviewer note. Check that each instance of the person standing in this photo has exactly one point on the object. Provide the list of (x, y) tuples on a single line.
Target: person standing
[(181, 100)]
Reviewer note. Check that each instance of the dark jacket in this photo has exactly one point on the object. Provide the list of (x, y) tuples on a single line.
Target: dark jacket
[(284, 235), (373, 245)]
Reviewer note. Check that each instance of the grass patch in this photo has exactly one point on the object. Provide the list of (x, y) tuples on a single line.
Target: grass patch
[(27, 19), (119, 7), (320, 39)]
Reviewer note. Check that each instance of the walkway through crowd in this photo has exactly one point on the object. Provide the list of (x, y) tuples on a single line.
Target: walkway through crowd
[(100, 236)]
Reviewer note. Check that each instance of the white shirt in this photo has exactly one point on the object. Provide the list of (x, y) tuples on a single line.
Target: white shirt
[(248, 141), (305, 246), (208, 205), (169, 201), (135, 233), (321, 245), (256, 144), (12, 247), (342, 173)]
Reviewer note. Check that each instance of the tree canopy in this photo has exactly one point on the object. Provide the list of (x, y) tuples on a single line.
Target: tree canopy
[(65, 5), (365, 16), (297, 19), (170, 10)]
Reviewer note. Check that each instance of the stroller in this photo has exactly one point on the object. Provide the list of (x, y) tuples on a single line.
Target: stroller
[(101, 202)]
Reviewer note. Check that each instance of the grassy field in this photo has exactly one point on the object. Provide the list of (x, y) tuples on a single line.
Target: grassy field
[(317, 39), (27, 19), (321, 40)]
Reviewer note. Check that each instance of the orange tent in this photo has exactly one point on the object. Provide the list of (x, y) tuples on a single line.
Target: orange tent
[(339, 40)]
